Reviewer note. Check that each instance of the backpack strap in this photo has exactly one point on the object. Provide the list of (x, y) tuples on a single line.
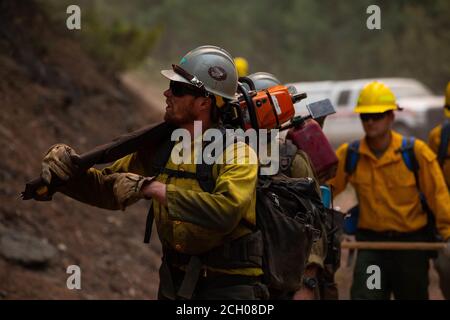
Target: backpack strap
[(443, 146), (203, 172), (288, 150), (409, 157), (352, 157), (149, 224), (410, 160), (162, 155)]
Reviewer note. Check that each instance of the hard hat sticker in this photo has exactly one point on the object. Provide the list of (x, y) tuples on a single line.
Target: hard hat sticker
[(217, 73)]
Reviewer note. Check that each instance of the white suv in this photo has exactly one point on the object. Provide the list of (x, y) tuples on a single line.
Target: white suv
[(422, 110)]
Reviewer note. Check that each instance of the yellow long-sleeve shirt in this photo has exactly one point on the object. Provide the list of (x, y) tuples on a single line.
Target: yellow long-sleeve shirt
[(434, 141), (387, 192), (194, 221)]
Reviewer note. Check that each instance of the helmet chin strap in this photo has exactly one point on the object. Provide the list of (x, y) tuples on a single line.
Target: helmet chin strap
[(189, 77)]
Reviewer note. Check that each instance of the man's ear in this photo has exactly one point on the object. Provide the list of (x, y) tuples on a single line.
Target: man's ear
[(204, 103)]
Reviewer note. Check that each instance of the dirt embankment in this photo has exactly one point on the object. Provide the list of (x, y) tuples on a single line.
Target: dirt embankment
[(50, 92)]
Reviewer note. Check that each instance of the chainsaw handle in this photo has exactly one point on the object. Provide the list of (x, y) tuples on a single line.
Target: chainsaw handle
[(250, 106), (38, 190), (248, 81), (298, 97)]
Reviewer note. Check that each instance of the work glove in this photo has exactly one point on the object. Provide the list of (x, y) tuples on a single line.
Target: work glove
[(128, 187), (59, 161)]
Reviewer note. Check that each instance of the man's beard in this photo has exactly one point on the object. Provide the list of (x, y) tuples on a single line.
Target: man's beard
[(179, 120)]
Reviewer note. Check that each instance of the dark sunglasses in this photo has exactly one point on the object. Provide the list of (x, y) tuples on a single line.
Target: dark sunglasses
[(372, 116), (180, 89)]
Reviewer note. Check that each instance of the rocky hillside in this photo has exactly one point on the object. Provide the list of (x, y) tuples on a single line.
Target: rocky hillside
[(51, 91)]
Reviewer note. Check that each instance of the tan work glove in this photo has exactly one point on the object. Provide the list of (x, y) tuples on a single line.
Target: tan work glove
[(59, 161), (128, 187)]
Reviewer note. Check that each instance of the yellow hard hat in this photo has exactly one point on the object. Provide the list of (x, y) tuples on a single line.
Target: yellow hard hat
[(376, 97), (447, 101), (241, 66)]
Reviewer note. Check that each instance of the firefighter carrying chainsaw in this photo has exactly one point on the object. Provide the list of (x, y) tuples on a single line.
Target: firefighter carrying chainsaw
[(226, 233), (401, 193), (209, 248), (318, 281)]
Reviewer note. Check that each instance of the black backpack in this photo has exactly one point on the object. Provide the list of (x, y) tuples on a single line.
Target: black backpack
[(288, 213), (333, 223)]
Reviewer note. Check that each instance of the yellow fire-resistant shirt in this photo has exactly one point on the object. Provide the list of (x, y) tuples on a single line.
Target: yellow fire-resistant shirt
[(194, 221), (434, 141), (386, 188)]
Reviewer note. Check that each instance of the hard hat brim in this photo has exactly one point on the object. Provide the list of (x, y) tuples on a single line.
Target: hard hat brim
[(375, 109), (172, 75)]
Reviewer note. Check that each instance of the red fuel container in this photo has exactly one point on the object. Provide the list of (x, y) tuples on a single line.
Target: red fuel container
[(310, 138)]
